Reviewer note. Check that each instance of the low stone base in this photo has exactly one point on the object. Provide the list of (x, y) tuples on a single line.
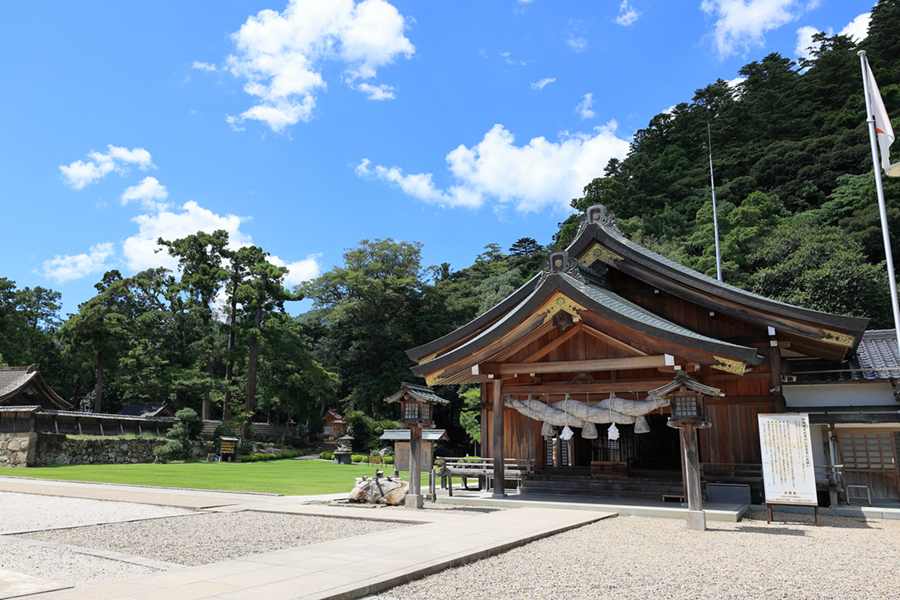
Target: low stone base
[(415, 501), (696, 520)]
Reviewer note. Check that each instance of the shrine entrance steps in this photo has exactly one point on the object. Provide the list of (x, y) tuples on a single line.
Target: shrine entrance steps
[(578, 481)]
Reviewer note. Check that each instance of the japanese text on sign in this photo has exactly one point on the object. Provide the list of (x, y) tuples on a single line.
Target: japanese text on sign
[(787, 459)]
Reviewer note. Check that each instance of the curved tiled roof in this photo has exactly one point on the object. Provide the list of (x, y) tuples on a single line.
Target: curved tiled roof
[(17, 379), (603, 302), (876, 359), (606, 232)]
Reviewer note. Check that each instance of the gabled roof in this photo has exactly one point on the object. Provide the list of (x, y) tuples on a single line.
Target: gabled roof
[(26, 385), (421, 353), (589, 295), (417, 392), (600, 239), (334, 415), (146, 409)]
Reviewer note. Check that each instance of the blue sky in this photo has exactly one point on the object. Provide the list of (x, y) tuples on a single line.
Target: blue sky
[(305, 127)]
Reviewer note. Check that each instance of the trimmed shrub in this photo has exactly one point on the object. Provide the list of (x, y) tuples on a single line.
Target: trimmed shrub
[(172, 450), (326, 455), (358, 458), (388, 460)]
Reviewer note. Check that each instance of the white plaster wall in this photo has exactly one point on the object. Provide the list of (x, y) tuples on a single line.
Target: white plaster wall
[(839, 394)]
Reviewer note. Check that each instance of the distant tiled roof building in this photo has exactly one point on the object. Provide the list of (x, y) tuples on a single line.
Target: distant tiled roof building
[(24, 386), (147, 409)]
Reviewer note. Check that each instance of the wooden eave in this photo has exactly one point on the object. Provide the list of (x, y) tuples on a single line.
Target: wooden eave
[(827, 335), (441, 345), (620, 318), (44, 388)]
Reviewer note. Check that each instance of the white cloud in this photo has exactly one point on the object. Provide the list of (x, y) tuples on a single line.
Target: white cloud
[(202, 66), (858, 28), (510, 61), (281, 54), (79, 174), (532, 177), (741, 25), (805, 41), (140, 250), (66, 268), (539, 85), (627, 15), (733, 83), (577, 43), (584, 107), (299, 271), (377, 92), (149, 192)]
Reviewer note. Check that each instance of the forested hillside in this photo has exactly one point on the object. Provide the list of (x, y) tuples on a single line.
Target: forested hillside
[(797, 215)]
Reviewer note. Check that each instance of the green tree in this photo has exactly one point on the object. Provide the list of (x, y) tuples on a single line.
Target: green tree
[(470, 417), (201, 258), (99, 327), (821, 268), (263, 296), (370, 306)]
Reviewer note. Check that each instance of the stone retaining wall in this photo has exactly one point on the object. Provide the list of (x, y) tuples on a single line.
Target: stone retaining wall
[(38, 449), (17, 449)]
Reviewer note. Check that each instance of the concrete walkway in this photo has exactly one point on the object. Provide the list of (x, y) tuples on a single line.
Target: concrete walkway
[(179, 498), (340, 569)]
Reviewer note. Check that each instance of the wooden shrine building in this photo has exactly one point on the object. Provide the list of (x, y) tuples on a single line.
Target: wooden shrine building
[(608, 321)]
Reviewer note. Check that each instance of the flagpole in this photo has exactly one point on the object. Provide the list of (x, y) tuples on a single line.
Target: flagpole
[(889, 258), (712, 181)]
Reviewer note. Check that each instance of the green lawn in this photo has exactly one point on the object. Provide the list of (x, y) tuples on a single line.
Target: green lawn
[(288, 477)]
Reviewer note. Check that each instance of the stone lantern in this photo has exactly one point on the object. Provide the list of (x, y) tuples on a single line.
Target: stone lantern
[(417, 404), (687, 402)]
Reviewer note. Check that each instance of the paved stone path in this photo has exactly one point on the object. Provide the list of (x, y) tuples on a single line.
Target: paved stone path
[(341, 569)]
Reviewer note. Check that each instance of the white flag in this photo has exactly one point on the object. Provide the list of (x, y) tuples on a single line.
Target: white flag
[(883, 129)]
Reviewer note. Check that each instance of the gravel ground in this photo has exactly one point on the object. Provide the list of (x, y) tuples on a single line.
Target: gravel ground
[(623, 558), (640, 558), (189, 539), (206, 538), (23, 512)]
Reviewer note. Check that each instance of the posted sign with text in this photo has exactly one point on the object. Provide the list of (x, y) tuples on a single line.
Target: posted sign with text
[(787, 459)]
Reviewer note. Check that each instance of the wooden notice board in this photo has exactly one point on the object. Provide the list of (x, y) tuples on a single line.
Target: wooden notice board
[(787, 461)]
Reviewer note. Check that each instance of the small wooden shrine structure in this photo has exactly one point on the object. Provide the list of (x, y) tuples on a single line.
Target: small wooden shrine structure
[(606, 326)]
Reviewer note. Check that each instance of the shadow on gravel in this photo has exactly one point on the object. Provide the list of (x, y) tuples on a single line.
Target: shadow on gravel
[(772, 530)]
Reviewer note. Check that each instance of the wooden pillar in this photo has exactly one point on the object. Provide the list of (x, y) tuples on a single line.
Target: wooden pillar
[(775, 376), (415, 454), (696, 519), (497, 443)]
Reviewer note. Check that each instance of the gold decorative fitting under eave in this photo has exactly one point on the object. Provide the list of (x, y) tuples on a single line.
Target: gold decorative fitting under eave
[(559, 302), (729, 366), (841, 339), (428, 358), (597, 252), (433, 379)]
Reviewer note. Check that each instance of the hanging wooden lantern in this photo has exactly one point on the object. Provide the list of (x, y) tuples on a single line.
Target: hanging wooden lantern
[(417, 404), (686, 407)]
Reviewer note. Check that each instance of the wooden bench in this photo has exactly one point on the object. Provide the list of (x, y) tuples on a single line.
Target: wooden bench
[(482, 468)]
